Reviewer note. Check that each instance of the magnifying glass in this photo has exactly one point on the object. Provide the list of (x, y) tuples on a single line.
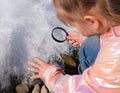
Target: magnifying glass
[(59, 34)]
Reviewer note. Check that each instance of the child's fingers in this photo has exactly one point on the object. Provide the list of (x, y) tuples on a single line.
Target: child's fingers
[(76, 44), (71, 41), (35, 76), (34, 64), (33, 69), (40, 61), (69, 37)]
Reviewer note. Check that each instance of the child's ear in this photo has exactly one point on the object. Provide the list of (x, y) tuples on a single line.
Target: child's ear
[(92, 21)]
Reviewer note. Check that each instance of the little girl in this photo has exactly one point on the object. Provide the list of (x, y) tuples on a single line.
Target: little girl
[(91, 17)]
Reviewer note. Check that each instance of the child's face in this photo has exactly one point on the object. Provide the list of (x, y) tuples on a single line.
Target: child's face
[(86, 30)]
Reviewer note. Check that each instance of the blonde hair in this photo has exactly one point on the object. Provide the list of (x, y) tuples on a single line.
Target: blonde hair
[(69, 11)]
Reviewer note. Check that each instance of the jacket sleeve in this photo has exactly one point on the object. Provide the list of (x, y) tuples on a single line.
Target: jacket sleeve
[(57, 82)]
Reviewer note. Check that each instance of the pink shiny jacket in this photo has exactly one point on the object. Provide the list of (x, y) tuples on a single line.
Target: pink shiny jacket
[(102, 77)]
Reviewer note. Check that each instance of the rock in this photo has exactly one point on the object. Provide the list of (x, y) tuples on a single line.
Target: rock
[(22, 88), (36, 89)]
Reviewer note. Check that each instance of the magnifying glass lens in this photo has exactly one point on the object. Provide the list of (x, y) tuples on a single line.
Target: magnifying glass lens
[(59, 34)]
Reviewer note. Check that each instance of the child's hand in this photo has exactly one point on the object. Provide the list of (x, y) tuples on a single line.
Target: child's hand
[(75, 38), (39, 67)]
